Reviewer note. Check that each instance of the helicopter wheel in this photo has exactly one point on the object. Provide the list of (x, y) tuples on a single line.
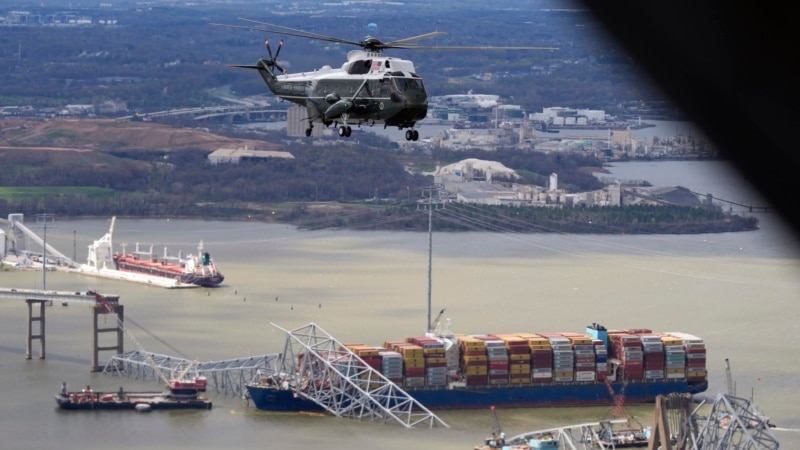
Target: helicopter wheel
[(415, 135), (409, 135), (308, 131), (345, 131)]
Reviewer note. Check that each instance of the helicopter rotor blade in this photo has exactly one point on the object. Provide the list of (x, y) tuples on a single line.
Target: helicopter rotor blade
[(412, 39), (373, 44), (285, 33), (456, 48), (273, 60), (278, 51), (269, 50), (280, 29)]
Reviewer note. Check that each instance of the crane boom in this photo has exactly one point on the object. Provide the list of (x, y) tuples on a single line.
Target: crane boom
[(728, 378)]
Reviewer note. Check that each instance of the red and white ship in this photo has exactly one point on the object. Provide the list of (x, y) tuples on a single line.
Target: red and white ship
[(147, 267), (196, 269)]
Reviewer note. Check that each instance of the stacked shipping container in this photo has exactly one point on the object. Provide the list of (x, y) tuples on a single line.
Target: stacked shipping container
[(538, 358)]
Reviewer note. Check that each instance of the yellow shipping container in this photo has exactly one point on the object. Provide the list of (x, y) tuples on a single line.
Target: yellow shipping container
[(474, 358), (539, 346), (363, 350), (414, 362), (412, 352), (519, 368), (433, 351), (520, 357), (476, 370)]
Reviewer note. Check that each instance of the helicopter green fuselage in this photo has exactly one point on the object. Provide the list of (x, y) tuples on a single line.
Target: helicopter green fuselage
[(368, 89)]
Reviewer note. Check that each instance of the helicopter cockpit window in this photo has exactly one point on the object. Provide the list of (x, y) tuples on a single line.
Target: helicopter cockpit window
[(408, 84), (414, 83), (360, 67)]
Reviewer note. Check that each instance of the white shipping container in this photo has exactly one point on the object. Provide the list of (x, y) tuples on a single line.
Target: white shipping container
[(414, 381), (584, 376)]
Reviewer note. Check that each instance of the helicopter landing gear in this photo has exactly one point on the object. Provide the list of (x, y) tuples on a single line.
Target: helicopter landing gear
[(412, 135), (308, 131), (345, 131)]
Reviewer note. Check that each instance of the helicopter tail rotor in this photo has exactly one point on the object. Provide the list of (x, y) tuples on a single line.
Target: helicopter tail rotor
[(272, 63)]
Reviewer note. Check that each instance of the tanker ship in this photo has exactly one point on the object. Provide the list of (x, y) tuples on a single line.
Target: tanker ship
[(598, 367)]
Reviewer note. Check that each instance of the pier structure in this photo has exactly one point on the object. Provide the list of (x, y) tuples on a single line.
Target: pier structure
[(36, 301)]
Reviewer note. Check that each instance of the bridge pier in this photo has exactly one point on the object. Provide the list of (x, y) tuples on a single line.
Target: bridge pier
[(99, 310), (31, 321)]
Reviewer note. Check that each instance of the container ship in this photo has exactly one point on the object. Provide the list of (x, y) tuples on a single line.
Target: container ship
[(598, 367), (196, 269)]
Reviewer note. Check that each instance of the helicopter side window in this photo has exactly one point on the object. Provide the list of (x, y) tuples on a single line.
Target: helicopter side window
[(360, 67), (386, 86)]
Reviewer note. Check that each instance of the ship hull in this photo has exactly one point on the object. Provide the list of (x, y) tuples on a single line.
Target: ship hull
[(167, 272), (527, 396)]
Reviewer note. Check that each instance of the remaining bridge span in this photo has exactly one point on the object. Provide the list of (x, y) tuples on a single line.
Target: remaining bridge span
[(228, 376)]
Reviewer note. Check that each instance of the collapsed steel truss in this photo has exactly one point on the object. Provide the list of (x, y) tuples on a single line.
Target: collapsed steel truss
[(732, 423), (584, 436), (735, 423), (228, 376), (321, 369)]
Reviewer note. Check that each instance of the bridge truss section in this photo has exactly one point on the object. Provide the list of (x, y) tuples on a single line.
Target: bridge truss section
[(731, 423), (228, 376), (583, 436), (735, 424), (321, 369)]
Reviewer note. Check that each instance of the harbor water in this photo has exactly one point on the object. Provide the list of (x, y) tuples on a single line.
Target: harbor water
[(737, 291)]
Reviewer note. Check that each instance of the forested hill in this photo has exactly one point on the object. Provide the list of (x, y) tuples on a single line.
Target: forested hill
[(158, 171)]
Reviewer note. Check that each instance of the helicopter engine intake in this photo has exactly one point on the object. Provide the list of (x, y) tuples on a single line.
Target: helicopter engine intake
[(332, 98), (337, 109)]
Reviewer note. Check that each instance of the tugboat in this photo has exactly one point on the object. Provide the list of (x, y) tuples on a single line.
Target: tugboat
[(181, 394)]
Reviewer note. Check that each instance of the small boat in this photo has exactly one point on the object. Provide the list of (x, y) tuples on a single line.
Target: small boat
[(609, 435), (180, 394), (538, 440)]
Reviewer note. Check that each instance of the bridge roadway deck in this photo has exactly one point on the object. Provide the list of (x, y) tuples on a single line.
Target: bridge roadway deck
[(54, 296)]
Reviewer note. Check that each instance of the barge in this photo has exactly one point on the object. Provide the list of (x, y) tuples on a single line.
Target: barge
[(179, 395)]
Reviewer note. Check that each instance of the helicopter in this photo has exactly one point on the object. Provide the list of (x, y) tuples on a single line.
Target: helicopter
[(368, 89)]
